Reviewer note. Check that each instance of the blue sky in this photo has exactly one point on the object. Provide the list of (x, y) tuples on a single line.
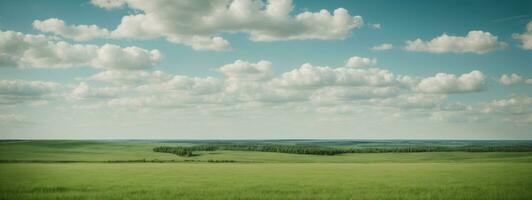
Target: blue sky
[(489, 107)]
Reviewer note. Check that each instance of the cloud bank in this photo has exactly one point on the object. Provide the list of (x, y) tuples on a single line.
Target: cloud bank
[(199, 23), (526, 37), (478, 42), (39, 51)]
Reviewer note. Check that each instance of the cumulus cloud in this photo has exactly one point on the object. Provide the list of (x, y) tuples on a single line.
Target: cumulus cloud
[(128, 58), (248, 71), (449, 83), (510, 79), (251, 82), (199, 23), (337, 94), (251, 86), (201, 43), (84, 91), (456, 116), (516, 105), (108, 4), (356, 61), (27, 88), (526, 37), (308, 76), (478, 42), (515, 109), (176, 93), (375, 25), (18, 91), (170, 92), (320, 25), (412, 101), (75, 32), (382, 47), (147, 102), (129, 77), (39, 51), (192, 85), (247, 85)]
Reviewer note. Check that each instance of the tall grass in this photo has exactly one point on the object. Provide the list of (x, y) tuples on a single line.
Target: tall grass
[(284, 181)]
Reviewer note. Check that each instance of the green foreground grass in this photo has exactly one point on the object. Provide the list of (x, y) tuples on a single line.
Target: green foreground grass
[(254, 175), (266, 181)]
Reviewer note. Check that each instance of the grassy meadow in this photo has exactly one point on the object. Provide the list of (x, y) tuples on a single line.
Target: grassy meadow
[(89, 170)]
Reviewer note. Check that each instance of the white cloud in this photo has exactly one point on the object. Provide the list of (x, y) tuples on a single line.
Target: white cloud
[(456, 116), (382, 47), (39, 51), (307, 25), (130, 77), (356, 61), (192, 85), (478, 42), (253, 89), (18, 91), (251, 82), (157, 90), (243, 70), (526, 37), (128, 58), (201, 43), (515, 105), (84, 91), (147, 102), (510, 79), (412, 101), (340, 91), (339, 94), (78, 33), (27, 88), (25, 50), (450, 83), (248, 83), (375, 25), (108, 4), (199, 23), (308, 76)]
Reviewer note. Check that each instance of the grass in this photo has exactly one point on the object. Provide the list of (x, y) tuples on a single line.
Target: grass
[(78, 151), (124, 151), (255, 175), (267, 181)]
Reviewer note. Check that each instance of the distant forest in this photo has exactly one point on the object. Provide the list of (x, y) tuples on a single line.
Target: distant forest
[(331, 150)]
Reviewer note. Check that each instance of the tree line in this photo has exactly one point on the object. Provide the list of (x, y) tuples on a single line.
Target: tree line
[(279, 148), (180, 151), (428, 148), (187, 151)]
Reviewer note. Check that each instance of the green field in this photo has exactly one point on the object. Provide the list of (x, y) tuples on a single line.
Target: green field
[(81, 170)]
